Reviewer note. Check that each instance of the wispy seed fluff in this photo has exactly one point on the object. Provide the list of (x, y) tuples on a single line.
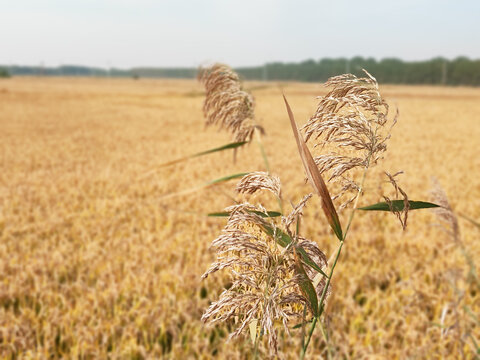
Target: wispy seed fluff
[(227, 104), (259, 180), (265, 285), (351, 124), (445, 212)]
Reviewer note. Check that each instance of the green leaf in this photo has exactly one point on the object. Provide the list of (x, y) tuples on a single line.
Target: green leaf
[(226, 213), (398, 205), (306, 286), (226, 178), (185, 158), (204, 186), (298, 326), (284, 240), (220, 148)]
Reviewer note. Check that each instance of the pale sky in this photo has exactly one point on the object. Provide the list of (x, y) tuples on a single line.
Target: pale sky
[(128, 33)]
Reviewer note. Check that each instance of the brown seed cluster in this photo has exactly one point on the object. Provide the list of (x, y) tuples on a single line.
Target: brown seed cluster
[(350, 123), (259, 180), (265, 284), (227, 104)]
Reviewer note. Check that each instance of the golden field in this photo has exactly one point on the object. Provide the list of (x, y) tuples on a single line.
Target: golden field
[(99, 260)]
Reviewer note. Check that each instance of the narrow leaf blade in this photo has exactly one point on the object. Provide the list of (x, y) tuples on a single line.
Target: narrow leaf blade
[(301, 324), (398, 205), (269, 214), (284, 240), (306, 286), (227, 178), (306, 259), (315, 177), (233, 145), (204, 186)]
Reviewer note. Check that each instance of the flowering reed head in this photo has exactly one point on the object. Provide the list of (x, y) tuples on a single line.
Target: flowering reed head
[(227, 104), (351, 124), (265, 288), (259, 180)]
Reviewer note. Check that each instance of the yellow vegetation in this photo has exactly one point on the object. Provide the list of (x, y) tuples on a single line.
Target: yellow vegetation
[(96, 262)]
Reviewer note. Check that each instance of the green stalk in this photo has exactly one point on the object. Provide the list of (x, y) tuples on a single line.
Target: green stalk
[(303, 324), (255, 351), (327, 341), (310, 333), (262, 150), (267, 165), (337, 256)]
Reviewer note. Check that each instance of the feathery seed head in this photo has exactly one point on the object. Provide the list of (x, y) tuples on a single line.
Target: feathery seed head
[(227, 104), (350, 122), (296, 212), (265, 285), (259, 180)]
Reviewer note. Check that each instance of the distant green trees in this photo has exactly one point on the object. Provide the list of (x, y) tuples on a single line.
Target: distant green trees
[(459, 71), (4, 73)]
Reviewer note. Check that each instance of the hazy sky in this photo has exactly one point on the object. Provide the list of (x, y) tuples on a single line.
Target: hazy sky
[(126, 33)]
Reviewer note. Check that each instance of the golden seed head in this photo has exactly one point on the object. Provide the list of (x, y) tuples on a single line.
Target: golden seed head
[(265, 285), (350, 123), (227, 104)]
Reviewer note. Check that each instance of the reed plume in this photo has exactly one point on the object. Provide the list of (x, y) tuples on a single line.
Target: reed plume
[(351, 124), (227, 104), (265, 282), (259, 180)]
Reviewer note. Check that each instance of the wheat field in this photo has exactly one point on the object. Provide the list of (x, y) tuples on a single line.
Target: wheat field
[(102, 250)]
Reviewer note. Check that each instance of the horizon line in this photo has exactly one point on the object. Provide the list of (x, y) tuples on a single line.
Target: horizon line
[(45, 66)]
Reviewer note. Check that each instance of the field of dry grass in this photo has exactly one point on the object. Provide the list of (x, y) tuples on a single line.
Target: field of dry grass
[(97, 261)]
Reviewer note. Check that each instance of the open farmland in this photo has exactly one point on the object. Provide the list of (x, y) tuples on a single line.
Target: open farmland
[(98, 259)]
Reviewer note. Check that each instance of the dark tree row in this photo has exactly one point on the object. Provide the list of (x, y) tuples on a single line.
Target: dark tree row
[(460, 71), (4, 73), (436, 71)]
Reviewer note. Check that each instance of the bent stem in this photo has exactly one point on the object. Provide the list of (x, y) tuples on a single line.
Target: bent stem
[(337, 256)]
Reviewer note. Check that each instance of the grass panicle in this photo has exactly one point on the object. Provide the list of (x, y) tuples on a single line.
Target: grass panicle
[(256, 181), (351, 127), (227, 104), (266, 284)]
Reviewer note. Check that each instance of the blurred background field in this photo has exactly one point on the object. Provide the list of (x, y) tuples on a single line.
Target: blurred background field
[(98, 259)]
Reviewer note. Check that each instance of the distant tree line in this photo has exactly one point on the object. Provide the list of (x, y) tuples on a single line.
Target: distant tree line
[(4, 73), (460, 71), (76, 70)]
